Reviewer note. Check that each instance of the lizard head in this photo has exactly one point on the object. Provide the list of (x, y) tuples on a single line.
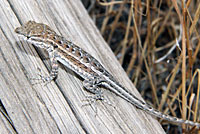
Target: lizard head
[(34, 32), (31, 28)]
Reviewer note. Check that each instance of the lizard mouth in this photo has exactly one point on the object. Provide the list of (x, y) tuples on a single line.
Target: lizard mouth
[(21, 32), (18, 30)]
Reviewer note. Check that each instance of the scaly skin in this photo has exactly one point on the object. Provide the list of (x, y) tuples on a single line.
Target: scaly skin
[(82, 63)]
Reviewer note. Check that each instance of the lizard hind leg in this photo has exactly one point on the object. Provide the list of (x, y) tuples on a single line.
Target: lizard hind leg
[(92, 86)]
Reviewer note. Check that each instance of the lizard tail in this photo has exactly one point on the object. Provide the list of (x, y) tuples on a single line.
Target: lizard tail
[(161, 115), (123, 93)]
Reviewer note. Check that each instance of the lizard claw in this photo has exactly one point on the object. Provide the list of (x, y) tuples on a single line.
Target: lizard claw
[(93, 99), (41, 79)]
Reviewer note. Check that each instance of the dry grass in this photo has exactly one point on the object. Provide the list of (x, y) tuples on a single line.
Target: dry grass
[(158, 45)]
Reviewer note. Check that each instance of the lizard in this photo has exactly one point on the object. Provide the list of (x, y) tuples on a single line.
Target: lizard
[(85, 65)]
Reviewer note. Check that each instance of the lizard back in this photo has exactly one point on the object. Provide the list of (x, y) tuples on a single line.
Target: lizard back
[(81, 62)]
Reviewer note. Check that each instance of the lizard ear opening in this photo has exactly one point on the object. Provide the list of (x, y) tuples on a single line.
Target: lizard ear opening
[(55, 46)]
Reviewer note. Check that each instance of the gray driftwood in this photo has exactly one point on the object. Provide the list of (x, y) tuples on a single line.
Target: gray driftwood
[(57, 107)]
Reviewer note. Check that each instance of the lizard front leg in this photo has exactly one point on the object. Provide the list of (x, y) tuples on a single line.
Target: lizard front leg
[(53, 73)]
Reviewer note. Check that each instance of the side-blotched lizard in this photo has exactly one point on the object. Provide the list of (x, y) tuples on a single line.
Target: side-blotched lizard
[(85, 65)]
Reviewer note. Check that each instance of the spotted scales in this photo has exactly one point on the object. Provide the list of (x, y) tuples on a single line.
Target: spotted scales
[(85, 65)]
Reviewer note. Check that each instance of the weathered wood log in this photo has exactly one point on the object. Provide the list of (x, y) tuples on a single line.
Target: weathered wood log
[(57, 107)]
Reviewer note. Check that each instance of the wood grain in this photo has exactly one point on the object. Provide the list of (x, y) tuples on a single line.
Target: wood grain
[(57, 107)]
